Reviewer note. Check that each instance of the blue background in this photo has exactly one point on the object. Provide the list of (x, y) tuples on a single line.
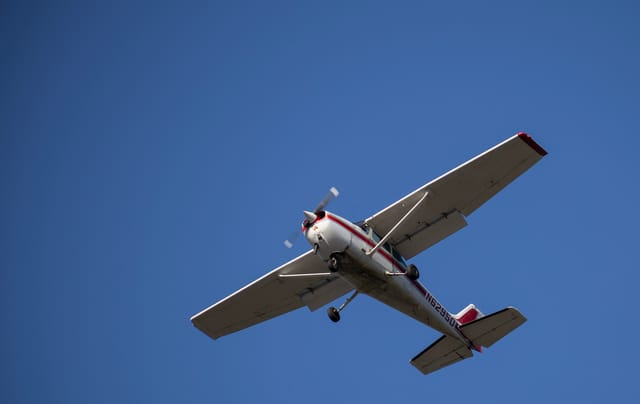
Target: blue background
[(154, 155)]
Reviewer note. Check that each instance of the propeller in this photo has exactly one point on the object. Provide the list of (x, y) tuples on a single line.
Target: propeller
[(333, 193), (311, 216)]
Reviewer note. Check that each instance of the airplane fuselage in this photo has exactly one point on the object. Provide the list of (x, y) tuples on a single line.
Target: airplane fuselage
[(374, 274)]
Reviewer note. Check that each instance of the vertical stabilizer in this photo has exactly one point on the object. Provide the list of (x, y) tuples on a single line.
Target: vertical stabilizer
[(468, 314)]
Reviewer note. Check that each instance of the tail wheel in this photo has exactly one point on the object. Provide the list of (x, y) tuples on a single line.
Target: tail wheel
[(412, 272)]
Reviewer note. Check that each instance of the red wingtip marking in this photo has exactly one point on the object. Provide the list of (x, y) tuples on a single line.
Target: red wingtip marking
[(532, 143)]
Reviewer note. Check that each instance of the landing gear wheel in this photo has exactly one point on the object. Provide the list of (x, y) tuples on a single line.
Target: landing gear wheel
[(334, 263), (334, 314), (412, 272)]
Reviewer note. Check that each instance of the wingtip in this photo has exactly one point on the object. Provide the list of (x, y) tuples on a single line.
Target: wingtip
[(532, 143)]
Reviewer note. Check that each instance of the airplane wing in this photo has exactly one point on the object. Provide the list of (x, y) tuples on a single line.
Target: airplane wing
[(425, 220), (304, 281)]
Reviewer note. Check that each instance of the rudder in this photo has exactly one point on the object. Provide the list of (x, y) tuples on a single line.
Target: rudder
[(468, 314)]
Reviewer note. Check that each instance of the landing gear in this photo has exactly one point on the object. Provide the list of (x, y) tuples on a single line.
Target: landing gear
[(334, 314), (412, 272), (334, 262)]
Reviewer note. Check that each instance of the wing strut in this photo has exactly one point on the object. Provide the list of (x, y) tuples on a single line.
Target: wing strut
[(404, 218)]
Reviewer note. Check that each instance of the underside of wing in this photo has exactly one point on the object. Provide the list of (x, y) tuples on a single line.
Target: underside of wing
[(438, 209), (304, 281)]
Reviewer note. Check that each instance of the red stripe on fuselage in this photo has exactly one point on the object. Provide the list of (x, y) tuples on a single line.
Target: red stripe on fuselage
[(388, 256), (382, 251)]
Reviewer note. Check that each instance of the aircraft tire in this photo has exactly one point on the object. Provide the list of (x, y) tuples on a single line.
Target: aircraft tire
[(334, 263), (334, 314), (412, 272)]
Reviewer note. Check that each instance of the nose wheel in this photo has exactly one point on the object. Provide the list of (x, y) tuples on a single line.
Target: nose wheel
[(334, 314), (334, 262)]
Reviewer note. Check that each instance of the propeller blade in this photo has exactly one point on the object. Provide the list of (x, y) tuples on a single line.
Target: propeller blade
[(333, 192), (292, 238)]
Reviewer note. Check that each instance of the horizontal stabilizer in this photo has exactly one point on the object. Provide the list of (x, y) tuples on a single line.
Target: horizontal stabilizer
[(484, 331), (488, 330), (444, 352)]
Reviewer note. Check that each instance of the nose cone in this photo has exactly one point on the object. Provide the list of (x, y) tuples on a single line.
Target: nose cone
[(311, 217)]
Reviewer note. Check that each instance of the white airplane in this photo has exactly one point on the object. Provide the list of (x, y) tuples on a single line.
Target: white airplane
[(369, 257)]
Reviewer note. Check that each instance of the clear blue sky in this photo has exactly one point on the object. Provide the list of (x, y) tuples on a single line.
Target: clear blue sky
[(154, 155)]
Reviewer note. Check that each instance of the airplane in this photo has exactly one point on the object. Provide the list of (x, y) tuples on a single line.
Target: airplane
[(370, 257)]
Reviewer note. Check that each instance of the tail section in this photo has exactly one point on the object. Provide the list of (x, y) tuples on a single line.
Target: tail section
[(481, 331), (468, 314), (444, 352)]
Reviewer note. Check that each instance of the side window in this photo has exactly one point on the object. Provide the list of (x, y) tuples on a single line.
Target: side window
[(365, 228), (375, 236), (398, 257), (376, 239), (386, 246)]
